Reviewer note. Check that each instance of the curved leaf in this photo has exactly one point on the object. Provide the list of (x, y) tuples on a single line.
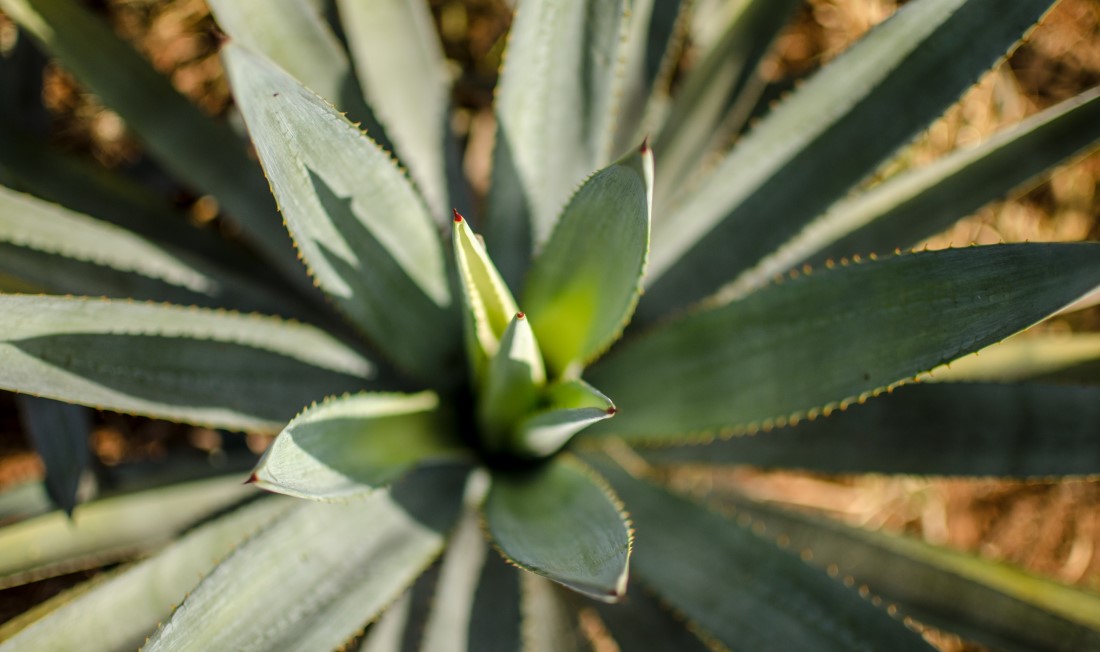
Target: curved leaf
[(745, 591), (992, 603), (314, 578), (108, 530), (916, 204), (510, 390), (60, 433), (808, 345), (583, 286), (362, 230), (825, 138), (206, 367), (1026, 430), (205, 154), (554, 119), (572, 406), (144, 592), (562, 522), (393, 42), (355, 444)]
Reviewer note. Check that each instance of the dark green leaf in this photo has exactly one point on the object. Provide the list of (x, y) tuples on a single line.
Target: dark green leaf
[(641, 622), (806, 346), (59, 432), (561, 521), (1025, 430), (745, 591)]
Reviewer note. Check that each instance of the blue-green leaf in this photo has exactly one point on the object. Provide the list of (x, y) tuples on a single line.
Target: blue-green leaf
[(808, 345), (59, 432)]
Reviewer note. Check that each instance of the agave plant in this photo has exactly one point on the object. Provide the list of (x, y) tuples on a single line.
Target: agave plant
[(456, 394)]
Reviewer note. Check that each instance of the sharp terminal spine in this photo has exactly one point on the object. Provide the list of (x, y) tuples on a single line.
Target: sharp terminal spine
[(458, 216)]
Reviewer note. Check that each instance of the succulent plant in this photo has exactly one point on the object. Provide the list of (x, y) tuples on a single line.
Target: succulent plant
[(522, 392)]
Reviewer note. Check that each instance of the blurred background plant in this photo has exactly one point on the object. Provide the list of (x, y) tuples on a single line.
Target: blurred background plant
[(1052, 528)]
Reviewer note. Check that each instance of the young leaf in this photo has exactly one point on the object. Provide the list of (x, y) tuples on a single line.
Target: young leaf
[(809, 345), (355, 444), (145, 592), (573, 406), (995, 604), (562, 522), (313, 579), (554, 119), (362, 230), (969, 429), (205, 154), (913, 205), (489, 306), (59, 432), (393, 42), (512, 382), (852, 116), (741, 589), (108, 530), (146, 358), (583, 287)]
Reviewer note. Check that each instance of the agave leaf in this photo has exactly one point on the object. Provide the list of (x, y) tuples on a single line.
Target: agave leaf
[(1071, 357), (449, 624), (144, 592), (489, 305), (549, 625), (388, 633), (59, 432), (554, 119), (995, 604), (495, 621), (205, 154), (717, 95), (23, 501), (145, 358), (393, 42), (358, 223), (655, 35), (742, 589), (66, 252), (825, 340), (919, 203), (301, 590), (512, 381), (853, 114), (641, 622), (583, 287), (108, 530), (295, 36), (562, 522), (573, 405), (355, 444), (970, 429)]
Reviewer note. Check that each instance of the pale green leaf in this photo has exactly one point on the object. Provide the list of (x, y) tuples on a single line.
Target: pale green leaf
[(146, 592), (448, 626), (811, 344), (358, 223), (969, 429), (65, 252), (400, 64), (825, 138), (109, 530), (205, 154), (1031, 356), (511, 386), (993, 603), (583, 286), (743, 590), (24, 500), (355, 444), (488, 304), (295, 36), (316, 577), (216, 368), (718, 94), (549, 624), (554, 119), (572, 406), (914, 205), (59, 432), (561, 521)]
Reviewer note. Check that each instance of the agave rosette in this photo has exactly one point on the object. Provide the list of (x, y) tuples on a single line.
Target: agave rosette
[(456, 394)]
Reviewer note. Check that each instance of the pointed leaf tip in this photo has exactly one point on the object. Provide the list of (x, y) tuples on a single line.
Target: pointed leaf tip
[(252, 479), (458, 216), (520, 315), (612, 411), (644, 149)]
